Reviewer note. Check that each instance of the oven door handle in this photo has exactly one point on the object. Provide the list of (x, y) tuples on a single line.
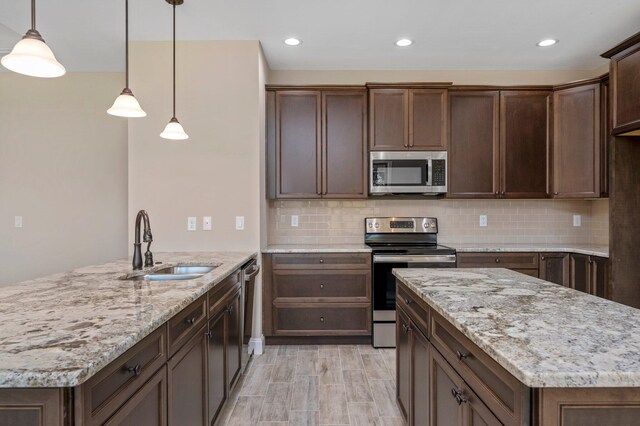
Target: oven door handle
[(451, 258)]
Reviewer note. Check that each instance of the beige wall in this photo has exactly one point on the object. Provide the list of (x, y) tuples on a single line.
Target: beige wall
[(63, 167), (217, 172), (509, 221), (455, 76)]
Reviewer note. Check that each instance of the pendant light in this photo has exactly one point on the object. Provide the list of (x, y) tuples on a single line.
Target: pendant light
[(174, 130), (31, 56), (126, 105)]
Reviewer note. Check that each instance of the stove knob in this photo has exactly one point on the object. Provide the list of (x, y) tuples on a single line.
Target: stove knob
[(377, 225), (370, 225), (426, 225)]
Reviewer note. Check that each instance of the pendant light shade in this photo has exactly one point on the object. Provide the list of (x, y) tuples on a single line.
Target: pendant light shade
[(174, 130), (31, 56), (126, 105)]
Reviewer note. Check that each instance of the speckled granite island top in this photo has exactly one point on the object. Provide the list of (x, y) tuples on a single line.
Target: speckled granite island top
[(544, 334), (59, 330)]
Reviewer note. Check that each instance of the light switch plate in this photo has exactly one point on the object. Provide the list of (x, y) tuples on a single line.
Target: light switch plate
[(239, 223), (577, 220), (206, 223), (294, 221), (483, 220), (192, 223), (17, 222)]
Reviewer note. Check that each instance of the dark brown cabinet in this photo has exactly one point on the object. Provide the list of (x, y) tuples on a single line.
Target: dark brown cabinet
[(234, 340), (625, 86), (590, 274), (403, 117), (576, 141), (403, 364), (317, 143), (217, 368), (555, 268), (525, 263), (187, 382), (524, 137), (474, 144)]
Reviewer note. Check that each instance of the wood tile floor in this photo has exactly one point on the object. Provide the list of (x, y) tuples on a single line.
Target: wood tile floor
[(316, 385)]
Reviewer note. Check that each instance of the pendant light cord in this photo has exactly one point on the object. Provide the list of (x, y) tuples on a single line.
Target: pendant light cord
[(174, 60), (126, 41), (33, 14)]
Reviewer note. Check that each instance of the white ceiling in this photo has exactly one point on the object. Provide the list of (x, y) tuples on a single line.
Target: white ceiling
[(87, 35)]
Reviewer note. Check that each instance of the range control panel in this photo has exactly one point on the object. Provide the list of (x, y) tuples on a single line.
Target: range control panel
[(382, 225)]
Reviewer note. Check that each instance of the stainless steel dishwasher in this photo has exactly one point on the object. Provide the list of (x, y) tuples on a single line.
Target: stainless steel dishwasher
[(249, 272)]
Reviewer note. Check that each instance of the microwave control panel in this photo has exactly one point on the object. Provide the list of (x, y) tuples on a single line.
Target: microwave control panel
[(438, 173)]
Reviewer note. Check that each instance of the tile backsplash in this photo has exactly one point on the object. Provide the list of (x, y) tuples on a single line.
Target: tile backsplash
[(509, 221)]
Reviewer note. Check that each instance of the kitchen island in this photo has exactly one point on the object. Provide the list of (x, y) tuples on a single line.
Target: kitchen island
[(87, 347), (492, 346)]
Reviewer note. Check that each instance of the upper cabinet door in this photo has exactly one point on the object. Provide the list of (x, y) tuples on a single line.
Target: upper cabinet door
[(389, 119), (298, 165), (576, 142), (524, 130), (625, 85), (474, 144), (344, 144), (428, 119)]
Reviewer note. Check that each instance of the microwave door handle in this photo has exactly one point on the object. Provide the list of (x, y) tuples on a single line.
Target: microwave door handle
[(429, 170)]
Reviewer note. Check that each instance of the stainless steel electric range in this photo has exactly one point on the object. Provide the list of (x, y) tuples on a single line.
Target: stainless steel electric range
[(399, 242)]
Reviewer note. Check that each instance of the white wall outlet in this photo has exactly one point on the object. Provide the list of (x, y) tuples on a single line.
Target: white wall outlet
[(577, 220), (206, 223), (239, 223), (17, 222), (483, 220), (294, 221), (192, 223)]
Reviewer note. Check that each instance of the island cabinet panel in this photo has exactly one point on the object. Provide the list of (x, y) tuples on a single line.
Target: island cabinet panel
[(344, 144), (474, 144), (403, 364), (33, 407), (576, 142), (524, 140), (389, 119), (187, 382), (312, 295), (103, 394), (217, 371), (147, 407), (555, 268), (317, 143), (233, 340), (625, 86)]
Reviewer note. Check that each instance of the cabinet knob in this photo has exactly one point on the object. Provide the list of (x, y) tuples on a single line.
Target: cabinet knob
[(459, 396), (136, 369), (208, 334), (406, 328), (555, 193), (230, 309), (190, 321), (541, 257), (503, 192), (321, 286), (497, 260), (497, 193), (408, 301), (321, 260), (321, 319), (462, 355)]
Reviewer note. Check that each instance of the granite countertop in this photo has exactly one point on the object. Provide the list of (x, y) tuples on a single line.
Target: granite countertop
[(317, 248), (588, 249), (544, 334), (59, 330)]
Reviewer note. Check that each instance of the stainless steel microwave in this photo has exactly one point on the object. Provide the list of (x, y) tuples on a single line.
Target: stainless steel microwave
[(414, 172)]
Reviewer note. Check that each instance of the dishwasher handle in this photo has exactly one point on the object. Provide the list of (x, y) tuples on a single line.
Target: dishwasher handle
[(248, 275)]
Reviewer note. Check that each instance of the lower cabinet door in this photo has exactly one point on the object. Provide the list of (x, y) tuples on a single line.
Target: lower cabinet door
[(403, 363), (420, 406), (600, 277), (234, 341), (580, 272), (476, 413), (446, 392), (147, 407), (554, 267), (217, 368), (187, 375)]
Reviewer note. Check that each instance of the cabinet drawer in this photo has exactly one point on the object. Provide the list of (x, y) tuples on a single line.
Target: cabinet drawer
[(322, 319), (321, 286), (414, 306), (322, 261), (184, 325), (498, 260), (114, 385), (503, 393), (219, 294)]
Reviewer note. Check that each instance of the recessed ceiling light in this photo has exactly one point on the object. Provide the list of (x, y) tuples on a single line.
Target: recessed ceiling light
[(292, 42), (404, 42), (547, 42)]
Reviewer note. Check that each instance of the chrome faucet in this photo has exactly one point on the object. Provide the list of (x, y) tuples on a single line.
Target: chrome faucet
[(147, 238)]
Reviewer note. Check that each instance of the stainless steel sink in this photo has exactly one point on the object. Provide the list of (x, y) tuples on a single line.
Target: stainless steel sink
[(172, 273)]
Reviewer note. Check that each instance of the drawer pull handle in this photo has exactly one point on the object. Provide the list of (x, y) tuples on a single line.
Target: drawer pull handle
[(137, 369), (321, 319), (462, 355), (191, 320), (459, 396), (230, 309), (321, 260), (406, 328), (497, 260), (408, 301)]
